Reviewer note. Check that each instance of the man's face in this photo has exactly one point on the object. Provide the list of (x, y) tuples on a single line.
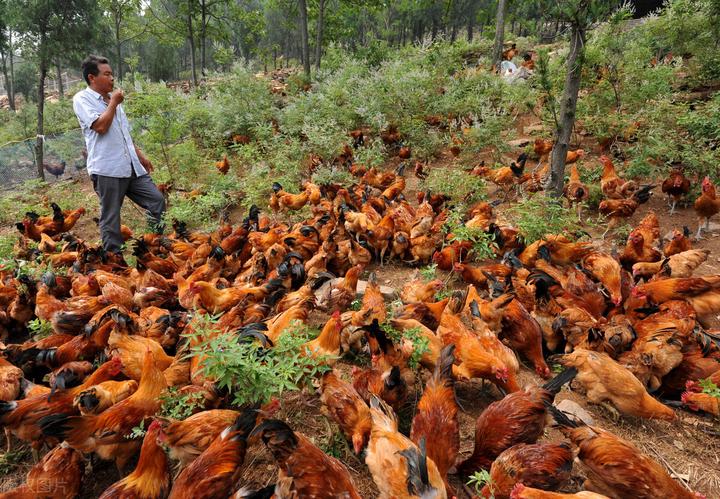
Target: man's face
[(103, 82)]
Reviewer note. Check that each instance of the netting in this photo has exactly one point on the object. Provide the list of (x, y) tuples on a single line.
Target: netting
[(17, 159)]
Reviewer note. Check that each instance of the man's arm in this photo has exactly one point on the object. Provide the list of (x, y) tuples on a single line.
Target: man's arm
[(143, 160), (102, 124)]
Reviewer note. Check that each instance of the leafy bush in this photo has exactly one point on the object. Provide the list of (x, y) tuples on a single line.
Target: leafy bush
[(414, 335), (710, 388), (479, 479), (200, 211), (483, 244), (458, 184), (326, 175), (250, 372), (40, 328), (540, 215), (178, 405)]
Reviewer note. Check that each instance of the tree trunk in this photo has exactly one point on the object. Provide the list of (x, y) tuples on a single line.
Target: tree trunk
[(453, 32), (191, 39), (39, 141), (11, 86), (6, 79), (304, 38), (470, 29), (203, 36), (433, 30), (499, 34), (61, 88), (567, 110), (319, 38), (118, 47)]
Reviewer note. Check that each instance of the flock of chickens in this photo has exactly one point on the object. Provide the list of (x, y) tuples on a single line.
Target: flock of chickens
[(622, 326)]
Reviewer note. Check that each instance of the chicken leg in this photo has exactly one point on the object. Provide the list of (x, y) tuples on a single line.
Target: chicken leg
[(698, 236)]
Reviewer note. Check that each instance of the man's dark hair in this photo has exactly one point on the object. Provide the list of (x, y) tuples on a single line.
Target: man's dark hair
[(90, 66)]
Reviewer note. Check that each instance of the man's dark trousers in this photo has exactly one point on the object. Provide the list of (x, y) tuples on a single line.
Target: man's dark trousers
[(112, 192)]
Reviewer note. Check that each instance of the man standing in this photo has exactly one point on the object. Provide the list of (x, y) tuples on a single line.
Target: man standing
[(117, 168)]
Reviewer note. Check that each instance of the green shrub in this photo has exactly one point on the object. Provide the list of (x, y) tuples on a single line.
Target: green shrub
[(179, 406), (251, 373), (40, 328), (326, 175), (483, 244), (540, 215), (459, 185)]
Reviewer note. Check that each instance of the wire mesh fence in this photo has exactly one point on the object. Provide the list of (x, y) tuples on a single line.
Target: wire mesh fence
[(64, 157)]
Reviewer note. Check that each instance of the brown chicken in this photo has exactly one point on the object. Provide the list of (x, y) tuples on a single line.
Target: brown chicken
[(105, 433), (373, 305), (694, 366), (438, 409), (57, 476), (10, 378), (216, 300), (451, 254), (215, 472), (97, 398), (542, 148), (387, 384), (607, 271), (703, 293), (679, 242), (697, 400), (524, 335), (676, 186), (606, 380), (305, 470), (612, 186), (475, 360), (327, 344), (188, 438), (573, 156), (616, 467), (287, 201), (478, 276), (338, 296), (678, 265), (150, 479), (399, 468), (418, 290), (347, 408), (69, 217), (131, 350), (22, 417), (706, 206), (545, 465), (618, 209), (575, 191), (517, 418), (223, 166), (638, 250)]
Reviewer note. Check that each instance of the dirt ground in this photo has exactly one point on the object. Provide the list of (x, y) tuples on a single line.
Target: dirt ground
[(688, 448)]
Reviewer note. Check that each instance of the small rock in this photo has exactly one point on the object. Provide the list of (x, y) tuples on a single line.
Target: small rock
[(387, 292), (569, 407)]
